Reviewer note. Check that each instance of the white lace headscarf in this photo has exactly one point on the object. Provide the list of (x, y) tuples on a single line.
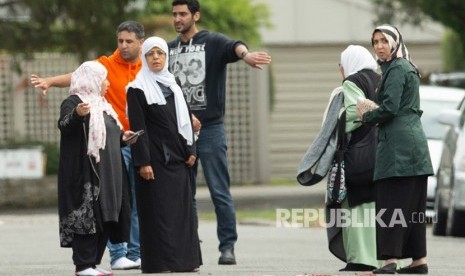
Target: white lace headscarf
[(146, 80), (86, 83), (355, 58)]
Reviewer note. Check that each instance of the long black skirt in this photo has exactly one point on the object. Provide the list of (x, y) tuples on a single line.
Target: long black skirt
[(167, 225), (401, 223)]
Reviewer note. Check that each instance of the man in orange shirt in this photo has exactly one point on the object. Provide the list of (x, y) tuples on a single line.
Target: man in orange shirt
[(122, 67)]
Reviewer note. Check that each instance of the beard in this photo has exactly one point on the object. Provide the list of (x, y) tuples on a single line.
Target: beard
[(184, 28)]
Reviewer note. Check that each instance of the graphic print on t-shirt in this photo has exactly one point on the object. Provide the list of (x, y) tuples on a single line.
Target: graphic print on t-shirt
[(187, 63)]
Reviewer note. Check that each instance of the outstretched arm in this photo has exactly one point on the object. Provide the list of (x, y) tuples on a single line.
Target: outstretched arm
[(46, 83), (254, 59)]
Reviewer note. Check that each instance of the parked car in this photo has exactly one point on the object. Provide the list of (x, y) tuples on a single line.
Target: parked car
[(449, 205), (453, 79), (432, 100)]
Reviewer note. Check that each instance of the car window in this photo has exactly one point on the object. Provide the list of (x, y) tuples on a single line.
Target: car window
[(455, 79), (433, 129)]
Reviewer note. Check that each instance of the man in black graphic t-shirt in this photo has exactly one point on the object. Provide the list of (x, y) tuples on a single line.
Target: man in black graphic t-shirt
[(199, 61)]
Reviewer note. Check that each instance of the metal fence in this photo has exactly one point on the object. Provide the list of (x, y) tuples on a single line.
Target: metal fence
[(26, 115)]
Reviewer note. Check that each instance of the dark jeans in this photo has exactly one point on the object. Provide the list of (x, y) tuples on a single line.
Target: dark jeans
[(212, 153)]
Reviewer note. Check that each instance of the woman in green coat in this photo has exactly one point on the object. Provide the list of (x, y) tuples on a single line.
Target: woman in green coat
[(402, 158)]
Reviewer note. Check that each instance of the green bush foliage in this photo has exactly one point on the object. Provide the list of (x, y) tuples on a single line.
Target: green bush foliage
[(452, 52)]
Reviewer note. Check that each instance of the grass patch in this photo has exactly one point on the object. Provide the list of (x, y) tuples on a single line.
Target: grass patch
[(256, 214), (267, 215), (284, 182), (273, 182), (244, 214)]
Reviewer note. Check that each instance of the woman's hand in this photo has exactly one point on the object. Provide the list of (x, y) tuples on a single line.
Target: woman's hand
[(82, 109), (191, 161), (146, 172), (360, 111), (130, 137)]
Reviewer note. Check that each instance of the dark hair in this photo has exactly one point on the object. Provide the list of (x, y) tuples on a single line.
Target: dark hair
[(132, 27), (192, 5)]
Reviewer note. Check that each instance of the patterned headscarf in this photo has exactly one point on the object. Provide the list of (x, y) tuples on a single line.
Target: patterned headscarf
[(355, 58), (147, 81), (86, 83), (396, 43)]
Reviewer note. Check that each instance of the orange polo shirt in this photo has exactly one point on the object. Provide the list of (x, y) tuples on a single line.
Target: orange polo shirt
[(120, 73)]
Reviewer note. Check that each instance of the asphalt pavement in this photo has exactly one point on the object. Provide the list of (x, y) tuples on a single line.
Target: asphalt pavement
[(29, 242)]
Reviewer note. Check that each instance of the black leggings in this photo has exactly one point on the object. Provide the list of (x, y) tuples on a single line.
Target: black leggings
[(88, 249)]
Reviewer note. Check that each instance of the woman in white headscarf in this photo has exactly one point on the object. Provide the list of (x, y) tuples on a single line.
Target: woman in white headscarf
[(358, 70), (351, 243), (91, 174), (163, 158), (403, 162)]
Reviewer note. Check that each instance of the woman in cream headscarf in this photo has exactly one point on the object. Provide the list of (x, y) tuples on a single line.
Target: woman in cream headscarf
[(91, 174), (403, 163), (163, 158)]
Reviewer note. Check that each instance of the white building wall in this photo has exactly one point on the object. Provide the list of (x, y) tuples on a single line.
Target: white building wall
[(305, 46), (332, 21)]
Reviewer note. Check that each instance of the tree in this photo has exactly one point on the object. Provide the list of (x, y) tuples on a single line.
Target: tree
[(87, 27), (450, 13), (83, 27), (239, 19)]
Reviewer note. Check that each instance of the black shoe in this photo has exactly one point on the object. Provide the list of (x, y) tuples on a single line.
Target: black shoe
[(387, 269), (227, 257), (357, 267), (418, 269)]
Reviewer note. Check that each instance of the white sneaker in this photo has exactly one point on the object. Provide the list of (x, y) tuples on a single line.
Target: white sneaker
[(138, 261), (123, 263), (105, 272), (89, 272)]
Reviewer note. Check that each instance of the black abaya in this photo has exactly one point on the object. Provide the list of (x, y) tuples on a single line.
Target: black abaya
[(168, 231)]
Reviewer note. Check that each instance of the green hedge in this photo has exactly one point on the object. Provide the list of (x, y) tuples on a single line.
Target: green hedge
[(452, 52)]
